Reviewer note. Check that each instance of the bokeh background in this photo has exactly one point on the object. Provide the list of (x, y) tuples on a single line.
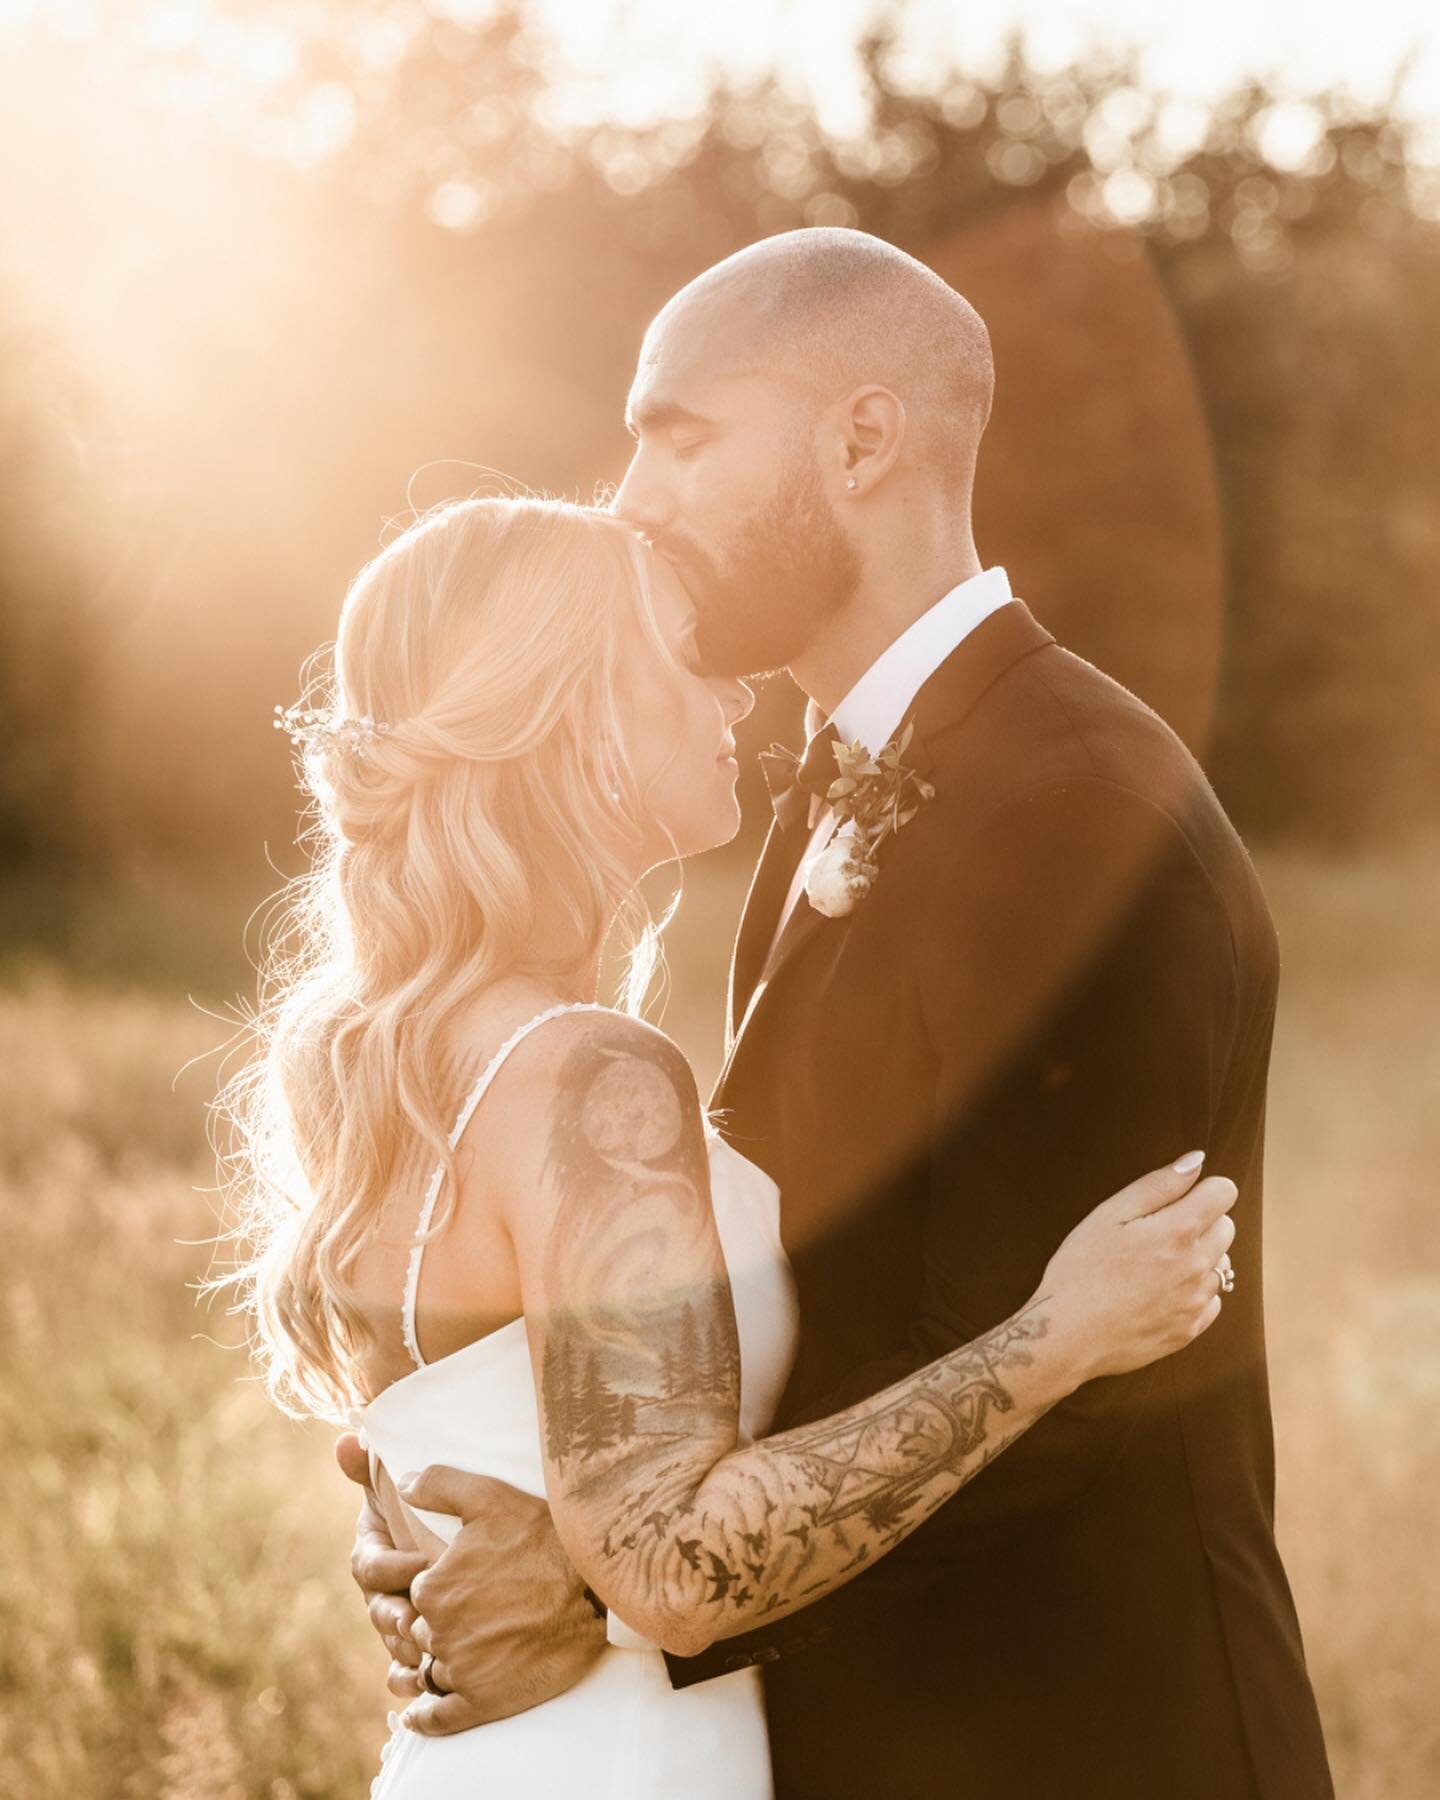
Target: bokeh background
[(271, 275)]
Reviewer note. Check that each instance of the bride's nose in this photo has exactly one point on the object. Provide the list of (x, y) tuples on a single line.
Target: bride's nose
[(736, 701)]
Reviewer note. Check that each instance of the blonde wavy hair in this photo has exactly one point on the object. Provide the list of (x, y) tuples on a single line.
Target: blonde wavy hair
[(491, 638)]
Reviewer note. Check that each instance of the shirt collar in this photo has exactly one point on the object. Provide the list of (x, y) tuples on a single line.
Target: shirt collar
[(871, 712)]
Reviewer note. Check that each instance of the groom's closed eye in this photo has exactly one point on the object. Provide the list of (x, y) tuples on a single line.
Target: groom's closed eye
[(677, 424)]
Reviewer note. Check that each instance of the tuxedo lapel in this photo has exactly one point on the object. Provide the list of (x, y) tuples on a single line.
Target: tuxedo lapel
[(942, 704), (971, 669), (771, 883), (800, 927)]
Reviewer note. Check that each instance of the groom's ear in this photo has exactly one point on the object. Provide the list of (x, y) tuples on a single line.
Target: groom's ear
[(872, 431)]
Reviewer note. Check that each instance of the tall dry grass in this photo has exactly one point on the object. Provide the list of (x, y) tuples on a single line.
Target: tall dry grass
[(1353, 1283), (177, 1617)]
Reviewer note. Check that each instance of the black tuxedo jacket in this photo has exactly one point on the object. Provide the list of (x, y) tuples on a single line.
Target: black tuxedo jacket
[(1064, 976)]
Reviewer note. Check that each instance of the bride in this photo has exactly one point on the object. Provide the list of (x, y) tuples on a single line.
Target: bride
[(488, 1219)]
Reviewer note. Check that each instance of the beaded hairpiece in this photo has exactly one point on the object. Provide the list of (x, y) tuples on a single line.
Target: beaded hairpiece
[(325, 732)]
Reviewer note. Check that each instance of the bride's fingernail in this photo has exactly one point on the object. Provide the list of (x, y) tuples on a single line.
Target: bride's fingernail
[(1189, 1162)]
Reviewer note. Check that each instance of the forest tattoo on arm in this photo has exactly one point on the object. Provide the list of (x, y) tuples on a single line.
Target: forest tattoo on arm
[(685, 1536), (627, 1358)]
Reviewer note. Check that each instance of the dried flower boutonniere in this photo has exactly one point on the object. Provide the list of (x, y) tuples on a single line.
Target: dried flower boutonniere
[(872, 796)]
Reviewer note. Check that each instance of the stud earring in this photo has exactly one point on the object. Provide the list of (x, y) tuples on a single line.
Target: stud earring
[(851, 483)]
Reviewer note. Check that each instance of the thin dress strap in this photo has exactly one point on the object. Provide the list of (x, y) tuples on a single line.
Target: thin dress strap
[(432, 1193)]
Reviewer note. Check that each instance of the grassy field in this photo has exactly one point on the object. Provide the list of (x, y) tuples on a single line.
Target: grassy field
[(178, 1619)]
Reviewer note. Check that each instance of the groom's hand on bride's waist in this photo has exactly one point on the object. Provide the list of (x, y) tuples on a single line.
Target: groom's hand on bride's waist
[(382, 1573), (501, 1609)]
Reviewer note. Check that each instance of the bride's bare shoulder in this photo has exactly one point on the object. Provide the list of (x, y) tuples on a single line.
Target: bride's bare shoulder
[(600, 1053), (599, 1078), (549, 1024)]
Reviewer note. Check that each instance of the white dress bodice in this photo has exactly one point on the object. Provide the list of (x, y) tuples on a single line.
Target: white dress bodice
[(622, 1733)]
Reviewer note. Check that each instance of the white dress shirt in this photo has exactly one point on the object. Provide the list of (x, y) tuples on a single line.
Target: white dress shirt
[(872, 711)]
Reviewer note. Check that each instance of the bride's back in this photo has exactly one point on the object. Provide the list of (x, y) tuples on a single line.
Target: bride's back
[(621, 1730), (467, 1285)]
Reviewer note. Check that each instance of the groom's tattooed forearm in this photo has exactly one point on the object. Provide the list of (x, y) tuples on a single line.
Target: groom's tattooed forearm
[(640, 1373)]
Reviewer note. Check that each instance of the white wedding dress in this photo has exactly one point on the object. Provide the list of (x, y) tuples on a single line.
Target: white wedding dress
[(622, 1733)]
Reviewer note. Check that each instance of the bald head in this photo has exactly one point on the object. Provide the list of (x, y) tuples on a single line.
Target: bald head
[(806, 417), (830, 311)]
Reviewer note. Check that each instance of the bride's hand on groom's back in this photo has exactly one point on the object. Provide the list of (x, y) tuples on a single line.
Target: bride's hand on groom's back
[(1142, 1275)]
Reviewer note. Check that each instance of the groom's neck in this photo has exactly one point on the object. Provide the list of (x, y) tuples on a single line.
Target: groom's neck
[(900, 581)]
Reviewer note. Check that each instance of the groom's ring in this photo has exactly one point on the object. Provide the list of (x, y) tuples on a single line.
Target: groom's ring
[(1226, 1277), (425, 1675)]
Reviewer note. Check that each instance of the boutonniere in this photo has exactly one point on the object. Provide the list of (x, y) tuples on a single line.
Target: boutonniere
[(872, 796)]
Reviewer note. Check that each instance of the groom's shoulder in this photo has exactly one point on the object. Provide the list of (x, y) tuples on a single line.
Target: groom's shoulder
[(1055, 753), (1062, 787), (1058, 719)]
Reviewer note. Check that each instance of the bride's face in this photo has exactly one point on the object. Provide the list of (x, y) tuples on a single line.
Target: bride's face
[(679, 729)]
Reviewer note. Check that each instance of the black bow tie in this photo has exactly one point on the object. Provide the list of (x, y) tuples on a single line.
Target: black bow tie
[(794, 780)]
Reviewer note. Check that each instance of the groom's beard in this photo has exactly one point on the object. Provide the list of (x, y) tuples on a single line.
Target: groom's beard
[(789, 570)]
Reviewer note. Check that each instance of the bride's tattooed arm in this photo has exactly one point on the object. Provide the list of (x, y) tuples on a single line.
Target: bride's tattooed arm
[(685, 1536)]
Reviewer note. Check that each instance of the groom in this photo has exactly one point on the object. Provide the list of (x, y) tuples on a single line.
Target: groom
[(1063, 972)]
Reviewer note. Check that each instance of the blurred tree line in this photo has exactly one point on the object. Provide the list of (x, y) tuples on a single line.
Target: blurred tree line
[(1218, 373)]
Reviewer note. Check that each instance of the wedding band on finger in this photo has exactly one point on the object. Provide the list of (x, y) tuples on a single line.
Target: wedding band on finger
[(426, 1677)]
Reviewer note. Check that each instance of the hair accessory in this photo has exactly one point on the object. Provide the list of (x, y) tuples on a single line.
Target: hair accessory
[(325, 732)]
